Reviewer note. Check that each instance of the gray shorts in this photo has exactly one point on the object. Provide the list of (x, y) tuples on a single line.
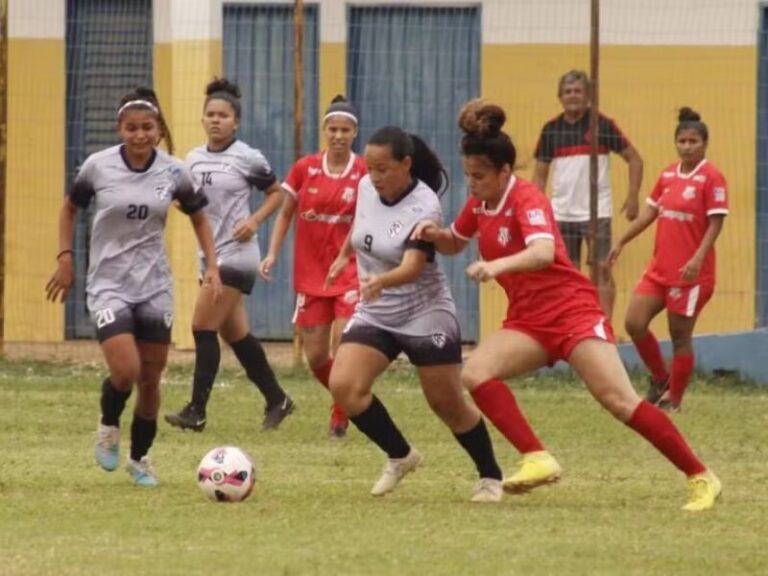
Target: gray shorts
[(150, 321), (574, 233), (443, 346)]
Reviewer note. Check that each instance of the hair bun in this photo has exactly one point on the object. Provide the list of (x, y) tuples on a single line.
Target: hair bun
[(222, 85), (338, 98), (686, 114), (145, 93), (481, 119)]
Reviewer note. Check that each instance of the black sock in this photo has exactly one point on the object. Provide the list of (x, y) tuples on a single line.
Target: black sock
[(142, 435), (478, 445), (250, 354), (376, 423), (207, 358), (112, 403)]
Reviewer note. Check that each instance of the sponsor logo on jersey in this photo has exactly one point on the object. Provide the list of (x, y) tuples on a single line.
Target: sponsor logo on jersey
[(395, 228), (503, 236), (536, 217), (699, 178), (348, 195), (675, 215), (719, 193), (439, 339), (689, 193), (312, 190), (355, 176)]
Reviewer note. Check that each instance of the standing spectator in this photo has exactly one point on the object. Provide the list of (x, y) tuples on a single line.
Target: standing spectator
[(564, 145), (228, 170), (406, 306), (321, 191), (129, 285), (553, 311), (690, 201)]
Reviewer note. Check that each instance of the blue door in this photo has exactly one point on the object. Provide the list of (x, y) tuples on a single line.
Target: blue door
[(414, 67), (109, 52), (258, 55)]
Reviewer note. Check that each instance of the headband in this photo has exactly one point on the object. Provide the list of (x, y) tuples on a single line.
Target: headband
[(139, 104), (341, 113)]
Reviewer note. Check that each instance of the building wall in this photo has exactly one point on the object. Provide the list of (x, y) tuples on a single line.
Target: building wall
[(654, 59)]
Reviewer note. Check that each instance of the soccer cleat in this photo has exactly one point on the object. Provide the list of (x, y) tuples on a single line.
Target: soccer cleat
[(703, 490), (487, 491), (656, 390), (536, 469), (339, 422), (668, 405), (274, 415), (107, 449), (394, 471), (142, 472), (190, 417)]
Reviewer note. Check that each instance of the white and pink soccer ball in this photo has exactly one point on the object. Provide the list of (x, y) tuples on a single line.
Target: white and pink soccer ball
[(226, 474)]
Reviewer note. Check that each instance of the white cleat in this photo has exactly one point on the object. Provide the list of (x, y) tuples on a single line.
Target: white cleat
[(107, 449), (487, 491), (394, 471)]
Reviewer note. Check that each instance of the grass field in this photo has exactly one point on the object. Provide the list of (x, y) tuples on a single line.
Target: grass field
[(615, 512)]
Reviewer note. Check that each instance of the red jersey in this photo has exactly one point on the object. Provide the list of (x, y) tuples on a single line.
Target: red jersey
[(326, 207), (538, 297), (684, 203)]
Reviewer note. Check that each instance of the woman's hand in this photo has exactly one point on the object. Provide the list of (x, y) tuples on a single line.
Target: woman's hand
[(61, 281), (613, 255), (691, 270), (482, 271), (336, 269), (425, 230), (370, 288), (265, 267), (245, 230), (212, 282)]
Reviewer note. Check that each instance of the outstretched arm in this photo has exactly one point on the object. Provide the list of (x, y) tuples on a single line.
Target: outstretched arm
[(445, 241)]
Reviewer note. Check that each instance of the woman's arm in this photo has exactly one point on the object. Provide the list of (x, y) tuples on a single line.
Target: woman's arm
[(245, 230), (692, 268), (407, 271), (279, 231), (64, 276), (204, 235), (445, 241), (638, 225), (537, 255)]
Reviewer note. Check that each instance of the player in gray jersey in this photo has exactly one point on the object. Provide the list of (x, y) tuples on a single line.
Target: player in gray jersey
[(228, 170), (129, 285), (406, 307)]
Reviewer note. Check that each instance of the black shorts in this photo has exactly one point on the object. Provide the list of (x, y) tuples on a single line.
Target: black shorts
[(150, 321), (242, 280), (433, 350), (574, 233)]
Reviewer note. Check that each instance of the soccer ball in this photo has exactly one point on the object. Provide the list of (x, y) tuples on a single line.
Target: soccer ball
[(226, 474)]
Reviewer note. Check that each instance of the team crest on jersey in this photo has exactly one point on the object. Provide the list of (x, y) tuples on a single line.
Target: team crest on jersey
[(161, 192), (508, 212), (675, 293), (699, 178), (536, 217), (355, 176), (313, 171), (689, 193), (439, 339), (348, 195), (395, 228), (168, 319), (719, 193), (503, 236)]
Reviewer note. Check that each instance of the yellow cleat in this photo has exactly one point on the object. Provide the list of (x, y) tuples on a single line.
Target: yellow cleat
[(703, 491), (536, 469)]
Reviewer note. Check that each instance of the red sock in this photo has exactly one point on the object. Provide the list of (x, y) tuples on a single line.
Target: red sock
[(650, 352), (323, 374), (682, 368), (653, 425), (497, 402)]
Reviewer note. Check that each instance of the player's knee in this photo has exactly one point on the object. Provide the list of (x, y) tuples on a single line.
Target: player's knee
[(635, 328), (620, 404), (472, 376)]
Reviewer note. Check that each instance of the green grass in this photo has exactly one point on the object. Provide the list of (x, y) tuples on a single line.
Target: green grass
[(615, 512)]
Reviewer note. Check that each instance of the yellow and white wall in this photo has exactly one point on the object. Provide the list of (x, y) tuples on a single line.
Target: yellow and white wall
[(655, 57)]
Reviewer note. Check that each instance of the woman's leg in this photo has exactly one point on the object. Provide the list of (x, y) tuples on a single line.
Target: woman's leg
[(235, 330), (643, 308), (681, 332), (443, 391)]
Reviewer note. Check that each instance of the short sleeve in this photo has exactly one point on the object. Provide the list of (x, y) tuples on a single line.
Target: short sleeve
[(533, 216), (295, 179), (716, 194), (465, 225), (612, 137), (545, 147), (83, 189), (259, 171), (190, 198), (655, 196)]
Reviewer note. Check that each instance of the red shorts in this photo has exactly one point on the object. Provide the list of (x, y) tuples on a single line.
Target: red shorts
[(682, 300), (320, 310), (560, 338)]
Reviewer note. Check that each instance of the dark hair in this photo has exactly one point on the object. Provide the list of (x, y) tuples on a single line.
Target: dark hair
[(689, 119), (137, 99), (425, 165), (570, 77), (481, 123), (223, 89), (340, 105)]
